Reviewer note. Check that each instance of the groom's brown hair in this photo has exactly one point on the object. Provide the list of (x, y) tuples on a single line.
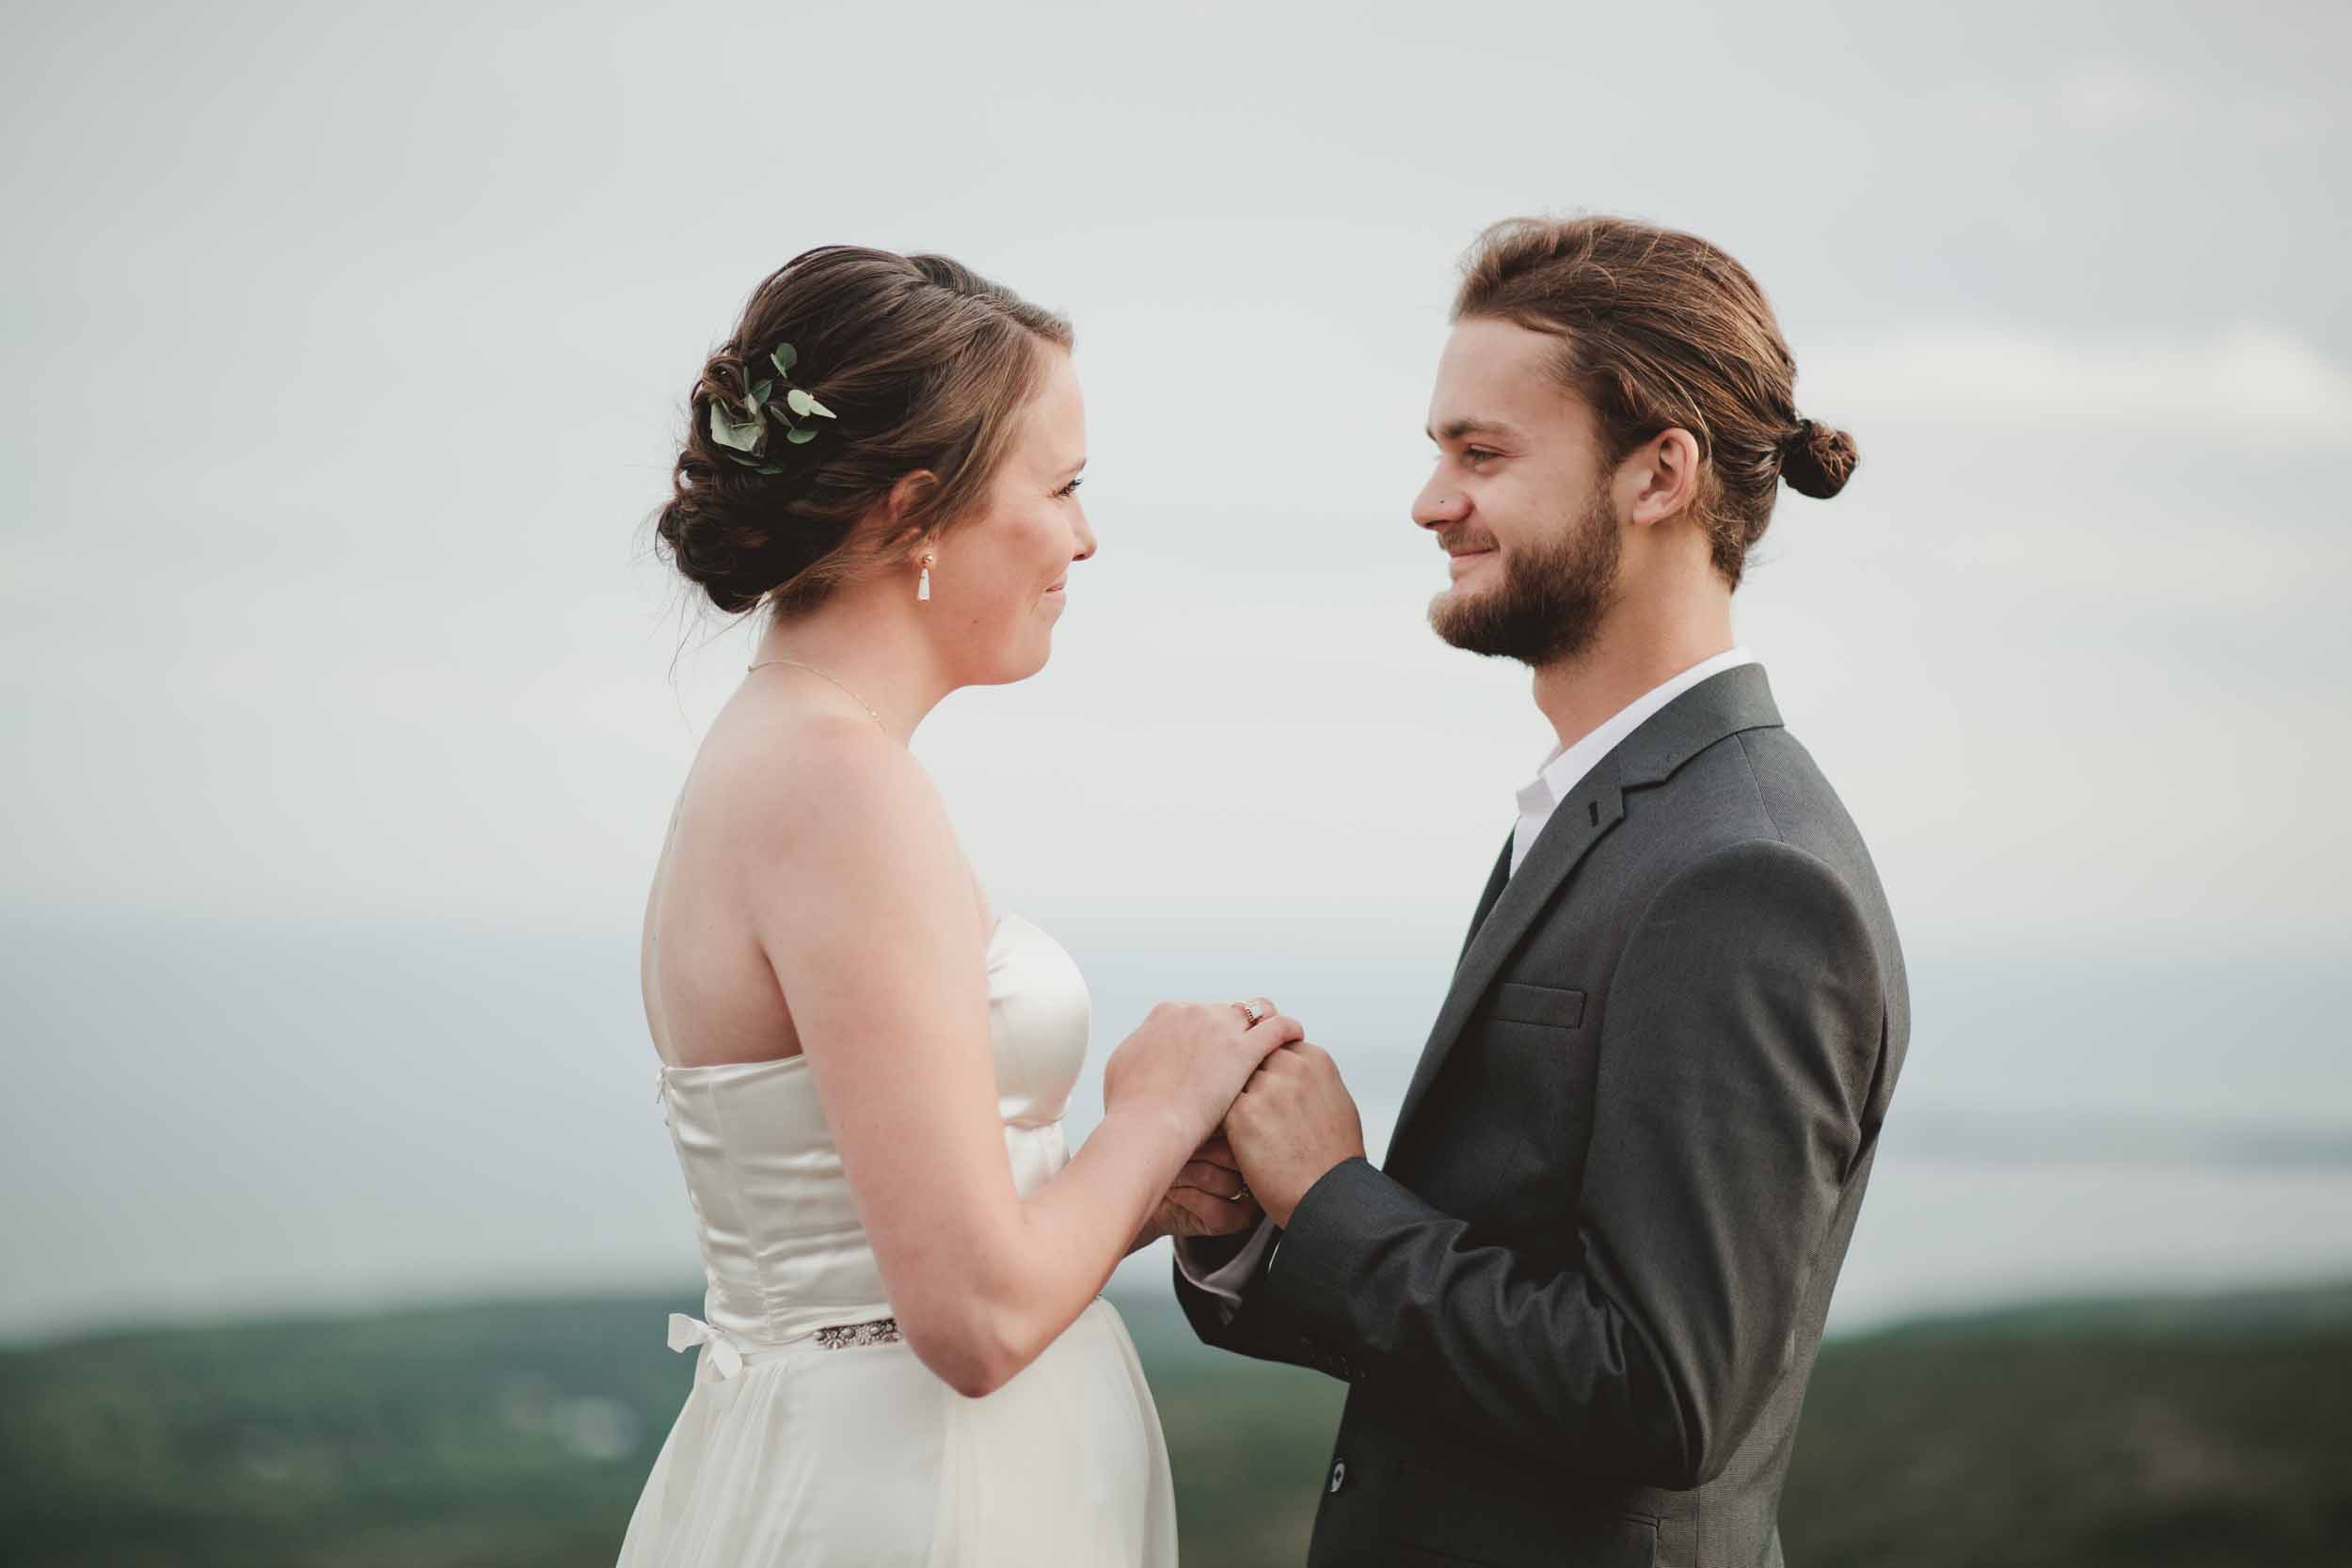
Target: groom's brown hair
[(1659, 330)]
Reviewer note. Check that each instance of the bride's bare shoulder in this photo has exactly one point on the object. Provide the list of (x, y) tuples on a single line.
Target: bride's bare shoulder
[(801, 786)]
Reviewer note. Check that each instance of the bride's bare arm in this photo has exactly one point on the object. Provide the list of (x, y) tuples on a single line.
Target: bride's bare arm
[(863, 904)]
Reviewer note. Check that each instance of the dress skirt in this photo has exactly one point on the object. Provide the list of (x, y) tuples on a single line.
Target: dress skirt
[(816, 1456)]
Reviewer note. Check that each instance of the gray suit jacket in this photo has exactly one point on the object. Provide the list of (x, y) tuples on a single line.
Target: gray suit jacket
[(1579, 1303)]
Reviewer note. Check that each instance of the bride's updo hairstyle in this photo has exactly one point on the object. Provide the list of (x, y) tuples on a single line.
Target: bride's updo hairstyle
[(924, 365), (1659, 330)]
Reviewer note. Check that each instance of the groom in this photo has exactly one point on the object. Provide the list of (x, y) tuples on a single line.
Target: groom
[(1578, 1305)]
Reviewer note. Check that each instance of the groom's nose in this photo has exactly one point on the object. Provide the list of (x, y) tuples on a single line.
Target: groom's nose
[(1439, 503)]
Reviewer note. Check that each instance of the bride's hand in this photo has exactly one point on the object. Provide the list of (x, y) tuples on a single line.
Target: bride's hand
[(1188, 1060)]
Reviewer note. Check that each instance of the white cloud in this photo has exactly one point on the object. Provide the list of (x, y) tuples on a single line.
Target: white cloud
[(2250, 388), (2118, 99), (2112, 97)]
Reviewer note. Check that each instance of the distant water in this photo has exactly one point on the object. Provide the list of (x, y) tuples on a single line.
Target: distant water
[(215, 1117), (1942, 1231)]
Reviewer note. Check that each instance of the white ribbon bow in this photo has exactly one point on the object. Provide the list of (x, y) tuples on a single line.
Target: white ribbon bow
[(686, 1333)]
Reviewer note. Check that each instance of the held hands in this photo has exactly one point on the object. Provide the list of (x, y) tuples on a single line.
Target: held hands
[(1294, 1121), (1187, 1060)]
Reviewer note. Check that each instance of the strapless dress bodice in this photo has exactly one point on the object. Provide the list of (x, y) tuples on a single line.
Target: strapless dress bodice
[(783, 1251), (797, 1449)]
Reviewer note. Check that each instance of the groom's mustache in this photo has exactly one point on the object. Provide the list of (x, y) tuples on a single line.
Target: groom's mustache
[(1462, 541)]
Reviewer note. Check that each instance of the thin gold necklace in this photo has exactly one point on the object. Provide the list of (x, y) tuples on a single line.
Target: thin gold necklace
[(803, 664)]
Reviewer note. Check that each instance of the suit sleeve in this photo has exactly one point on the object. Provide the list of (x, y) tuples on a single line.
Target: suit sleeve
[(1235, 1324), (1741, 1030)]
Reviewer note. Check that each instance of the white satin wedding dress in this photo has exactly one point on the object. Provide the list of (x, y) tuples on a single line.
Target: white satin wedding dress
[(812, 1435)]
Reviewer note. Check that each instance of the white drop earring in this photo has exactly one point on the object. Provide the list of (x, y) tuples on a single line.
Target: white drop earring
[(923, 583)]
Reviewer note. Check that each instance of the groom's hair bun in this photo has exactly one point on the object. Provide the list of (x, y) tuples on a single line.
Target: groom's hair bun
[(1659, 329), (1817, 460), (925, 367)]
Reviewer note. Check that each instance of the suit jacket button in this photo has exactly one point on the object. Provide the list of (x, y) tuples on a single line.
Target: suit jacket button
[(1338, 1475)]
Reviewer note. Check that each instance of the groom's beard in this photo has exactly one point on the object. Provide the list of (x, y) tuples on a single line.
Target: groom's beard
[(1552, 599)]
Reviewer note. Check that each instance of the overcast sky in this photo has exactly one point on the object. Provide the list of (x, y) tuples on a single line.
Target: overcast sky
[(347, 357)]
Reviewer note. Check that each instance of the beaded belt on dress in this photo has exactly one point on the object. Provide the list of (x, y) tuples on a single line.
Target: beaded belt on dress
[(726, 1356)]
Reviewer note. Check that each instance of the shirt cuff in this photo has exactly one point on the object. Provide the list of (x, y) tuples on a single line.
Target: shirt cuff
[(1228, 1278)]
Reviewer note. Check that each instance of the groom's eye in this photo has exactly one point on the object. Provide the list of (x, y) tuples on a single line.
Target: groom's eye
[(1478, 454)]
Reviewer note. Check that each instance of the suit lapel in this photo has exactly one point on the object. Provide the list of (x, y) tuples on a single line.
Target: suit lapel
[(1737, 699), (1496, 880), (1578, 824)]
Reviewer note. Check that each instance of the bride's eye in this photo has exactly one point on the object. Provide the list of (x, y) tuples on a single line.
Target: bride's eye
[(1069, 489)]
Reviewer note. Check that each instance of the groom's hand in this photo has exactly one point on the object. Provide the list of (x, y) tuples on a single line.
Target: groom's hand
[(1208, 1197), (1294, 1121)]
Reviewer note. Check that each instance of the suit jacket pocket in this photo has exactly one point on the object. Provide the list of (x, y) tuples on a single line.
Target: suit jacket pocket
[(1470, 1523), (1516, 1002)]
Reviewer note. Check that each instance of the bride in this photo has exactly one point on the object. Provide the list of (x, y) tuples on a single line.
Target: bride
[(906, 1358)]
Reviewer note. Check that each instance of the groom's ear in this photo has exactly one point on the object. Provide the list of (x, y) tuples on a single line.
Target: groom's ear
[(1658, 480)]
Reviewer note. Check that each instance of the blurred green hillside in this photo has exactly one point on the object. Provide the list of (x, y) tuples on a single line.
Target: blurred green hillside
[(2172, 1432)]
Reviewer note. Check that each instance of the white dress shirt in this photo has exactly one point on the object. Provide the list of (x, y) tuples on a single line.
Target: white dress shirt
[(1567, 765), (1539, 798)]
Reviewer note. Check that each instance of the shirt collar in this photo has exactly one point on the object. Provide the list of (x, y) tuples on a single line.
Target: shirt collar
[(1566, 767)]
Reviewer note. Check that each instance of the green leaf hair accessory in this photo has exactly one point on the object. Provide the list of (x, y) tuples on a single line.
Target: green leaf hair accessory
[(743, 435)]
